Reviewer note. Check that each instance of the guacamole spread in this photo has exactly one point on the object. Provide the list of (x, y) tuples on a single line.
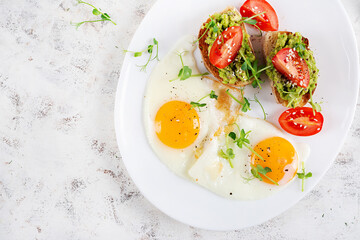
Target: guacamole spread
[(233, 72), (287, 90)]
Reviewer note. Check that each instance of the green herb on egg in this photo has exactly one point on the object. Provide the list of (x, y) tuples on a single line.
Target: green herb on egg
[(186, 72), (228, 154), (245, 104), (197, 104)]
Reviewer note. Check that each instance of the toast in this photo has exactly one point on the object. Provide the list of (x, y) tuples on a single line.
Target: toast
[(269, 44), (204, 50)]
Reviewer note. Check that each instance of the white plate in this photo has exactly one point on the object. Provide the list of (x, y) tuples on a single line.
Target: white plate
[(334, 45)]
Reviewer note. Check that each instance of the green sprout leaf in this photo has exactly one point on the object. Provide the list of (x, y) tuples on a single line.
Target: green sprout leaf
[(149, 49), (197, 104), (96, 11), (300, 48), (245, 104), (105, 16), (228, 155), (186, 72), (232, 135), (137, 54), (303, 175), (250, 21), (213, 95)]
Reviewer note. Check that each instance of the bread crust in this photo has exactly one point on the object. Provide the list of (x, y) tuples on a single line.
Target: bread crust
[(268, 45), (203, 46)]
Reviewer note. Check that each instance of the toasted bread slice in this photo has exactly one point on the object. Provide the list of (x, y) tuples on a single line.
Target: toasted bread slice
[(268, 45), (203, 46)]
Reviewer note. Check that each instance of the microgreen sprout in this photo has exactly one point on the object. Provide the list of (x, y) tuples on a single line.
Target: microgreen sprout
[(149, 49), (253, 67), (315, 106), (262, 108), (252, 21), (303, 176), (228, 154), (97, 12), (186, 72), (197, 104), (244, 103), (243, 141), (210, 25), (300, 48)]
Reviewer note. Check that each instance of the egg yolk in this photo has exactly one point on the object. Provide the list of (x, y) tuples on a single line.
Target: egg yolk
[(177, 124), (280, 156)]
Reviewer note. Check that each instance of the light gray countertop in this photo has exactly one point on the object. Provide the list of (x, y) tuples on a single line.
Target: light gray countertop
[(61, 174)]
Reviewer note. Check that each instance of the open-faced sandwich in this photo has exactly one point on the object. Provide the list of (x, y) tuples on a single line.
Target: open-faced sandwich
[(293, 72), (225, 46)]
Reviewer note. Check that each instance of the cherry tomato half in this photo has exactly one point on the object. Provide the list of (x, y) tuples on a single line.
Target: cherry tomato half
[(226, 47), (267, 21), (288, 62), (301, 121)]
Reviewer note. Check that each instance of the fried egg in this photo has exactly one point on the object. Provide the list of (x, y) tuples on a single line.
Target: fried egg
[(188, 140), (281, 155)]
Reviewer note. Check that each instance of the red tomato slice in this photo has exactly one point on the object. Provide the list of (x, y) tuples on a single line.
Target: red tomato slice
[(267, 21), (288, 62), (226, 47), (301, 121)]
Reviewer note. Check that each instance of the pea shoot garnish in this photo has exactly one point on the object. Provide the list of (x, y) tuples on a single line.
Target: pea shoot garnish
[(185, 71), (252, 21), (262, 108), (243, 141), (252, 70), (300, 48), (97, 12), (315, 106), (228, 154), (197, 104), (303, 175), (150, 50), (210, 25), (244, 103), (258, 169)]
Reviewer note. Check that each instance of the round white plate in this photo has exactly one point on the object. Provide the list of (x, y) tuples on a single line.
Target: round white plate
[(333, 42)]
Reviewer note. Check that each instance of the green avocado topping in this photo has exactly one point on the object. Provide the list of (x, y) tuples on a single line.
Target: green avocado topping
[(232, 73), (288, 91)]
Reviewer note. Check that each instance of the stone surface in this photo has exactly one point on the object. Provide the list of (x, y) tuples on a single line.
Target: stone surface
[(61, 174)]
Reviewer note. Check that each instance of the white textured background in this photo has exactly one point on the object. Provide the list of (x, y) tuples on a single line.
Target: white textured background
[(61, 174)]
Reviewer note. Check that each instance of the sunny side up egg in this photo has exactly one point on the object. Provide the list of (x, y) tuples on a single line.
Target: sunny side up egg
[(188, 140)]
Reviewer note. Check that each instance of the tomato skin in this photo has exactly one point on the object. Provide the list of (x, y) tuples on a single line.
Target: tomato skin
[(288, 62), (226, 47), (301, 121), (267, 21)]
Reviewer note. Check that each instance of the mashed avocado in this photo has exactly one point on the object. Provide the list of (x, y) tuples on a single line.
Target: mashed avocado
[(289, 92), (232, 73)]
